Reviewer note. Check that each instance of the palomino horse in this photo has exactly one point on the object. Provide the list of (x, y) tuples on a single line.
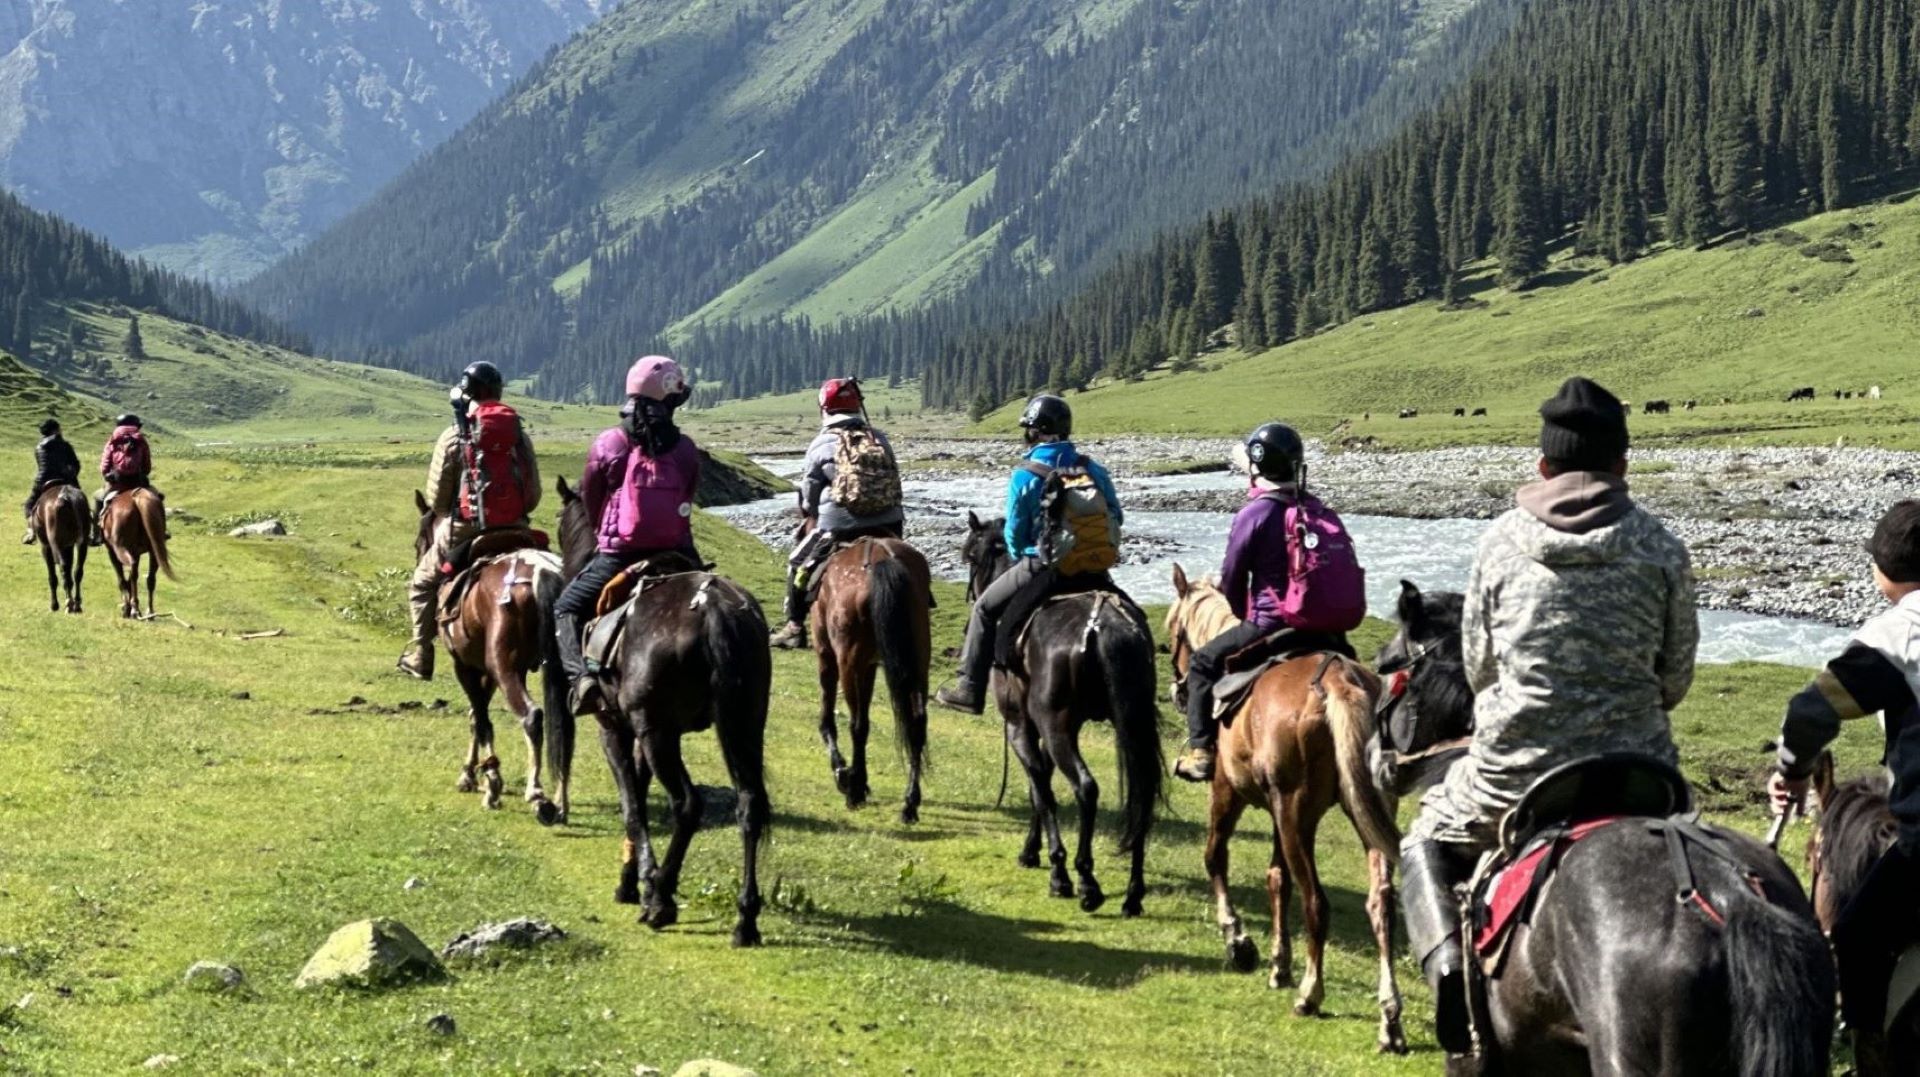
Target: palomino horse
[(872, 614), (1085, 658), (504, 631), (1296, 748), (694, 656), (60, 521), (1856, 828), (135, 526), (1610, 974)]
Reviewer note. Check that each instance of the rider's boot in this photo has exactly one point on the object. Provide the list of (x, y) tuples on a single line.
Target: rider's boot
[(961, 696), (1432, 910), (417, 661), (792, 636), (1195, 764), (27, 540)]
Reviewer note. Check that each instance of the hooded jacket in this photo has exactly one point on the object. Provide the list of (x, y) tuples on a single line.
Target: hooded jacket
[(644, 503), (1025, 489), (54, 461), (1579, 634), (1255, 570), (816, 482), (137, 460)]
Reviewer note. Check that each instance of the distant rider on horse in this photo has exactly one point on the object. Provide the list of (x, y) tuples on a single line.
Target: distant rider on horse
[(481, 478), (1044, 499), (1579, 634), (640, 483), (849, 489), (54, 464), (1257, 578), (1878, 673), (126, 463)]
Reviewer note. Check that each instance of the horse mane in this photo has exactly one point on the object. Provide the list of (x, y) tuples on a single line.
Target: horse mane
[(1204, 610), (1856, 827)]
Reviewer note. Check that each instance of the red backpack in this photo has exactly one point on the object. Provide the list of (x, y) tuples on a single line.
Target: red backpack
[(495, 453), (127, 456)]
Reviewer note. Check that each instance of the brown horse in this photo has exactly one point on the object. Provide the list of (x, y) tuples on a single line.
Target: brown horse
[(60, 522), (501, 634), (135, 526), (1296, 748), (694, 656), (872, 614)]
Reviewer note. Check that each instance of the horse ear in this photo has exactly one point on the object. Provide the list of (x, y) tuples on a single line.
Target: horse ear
[(1180, 584), (560, 486), (1410, 606), (973, 521), (420, 500), (1823, 782)]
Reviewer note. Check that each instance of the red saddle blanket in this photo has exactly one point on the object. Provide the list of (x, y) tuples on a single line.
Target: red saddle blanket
[(1505, 899)]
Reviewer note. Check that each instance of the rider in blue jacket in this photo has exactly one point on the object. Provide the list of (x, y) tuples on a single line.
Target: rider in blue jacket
[(1048, 424)]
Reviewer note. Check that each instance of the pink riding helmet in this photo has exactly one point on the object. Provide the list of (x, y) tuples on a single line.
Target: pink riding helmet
[(656, 377)]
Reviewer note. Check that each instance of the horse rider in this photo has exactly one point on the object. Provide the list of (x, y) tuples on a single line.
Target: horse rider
[(54, 464), (1255, 578), (126, 463), (467, 496), (639, 488), (1877, 673), (849, 489), (1579, 634), (1047, 426)]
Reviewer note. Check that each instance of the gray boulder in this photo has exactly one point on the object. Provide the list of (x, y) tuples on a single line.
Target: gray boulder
[(215, 977), (713, 1067), (487, 939), (264, 527), (371, 953)]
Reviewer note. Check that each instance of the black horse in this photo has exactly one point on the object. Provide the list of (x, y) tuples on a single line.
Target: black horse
[(1611, 974), (1857, 827), (695, 656), (1086, 658)]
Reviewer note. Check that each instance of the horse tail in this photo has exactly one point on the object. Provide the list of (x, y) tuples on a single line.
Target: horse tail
[(1127, 669), (1781, 986), (740, 678), (897, 607), (153, 517), (548, 582), (1350, 714)]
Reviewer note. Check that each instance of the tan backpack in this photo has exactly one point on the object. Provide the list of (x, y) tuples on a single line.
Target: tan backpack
[(866, 481)]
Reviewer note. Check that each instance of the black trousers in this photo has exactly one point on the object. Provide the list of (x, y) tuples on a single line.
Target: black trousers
[(582, 593), (1871, 933), (1209, 664)]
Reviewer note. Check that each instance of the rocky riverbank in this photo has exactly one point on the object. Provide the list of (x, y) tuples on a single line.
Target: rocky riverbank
[(1773, 531)]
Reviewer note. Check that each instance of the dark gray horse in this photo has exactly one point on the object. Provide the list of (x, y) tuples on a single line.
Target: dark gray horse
[(1857, 827), (1086, 658), (1612, 974)]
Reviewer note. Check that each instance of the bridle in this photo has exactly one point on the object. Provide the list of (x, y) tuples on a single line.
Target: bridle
[(1397, 678)]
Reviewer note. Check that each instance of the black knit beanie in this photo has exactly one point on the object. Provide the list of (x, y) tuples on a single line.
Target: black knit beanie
[(1895, 544), (1583, 428)]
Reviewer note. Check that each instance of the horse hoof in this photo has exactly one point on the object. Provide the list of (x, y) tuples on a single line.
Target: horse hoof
[(1028, 859), (909, 816), (1279, 979), (1132, 907), (745, 935), (1060, 887), (842, 780), (1091, 897), (536, 795), (626, 894), (1306, 1007), (1393, 1041), (1242, 955), (466, 784), (662, 916), (546, 811)]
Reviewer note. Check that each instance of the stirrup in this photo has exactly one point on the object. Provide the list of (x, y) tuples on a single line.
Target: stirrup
[(1194, 765)]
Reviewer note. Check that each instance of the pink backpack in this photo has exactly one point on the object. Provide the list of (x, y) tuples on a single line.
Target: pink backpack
[(1326, 587)]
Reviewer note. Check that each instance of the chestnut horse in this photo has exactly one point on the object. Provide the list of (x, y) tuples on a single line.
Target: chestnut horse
[(1295, 748), (60, 523), (135, 526), (872, 614), (504, 631), (694, 656)]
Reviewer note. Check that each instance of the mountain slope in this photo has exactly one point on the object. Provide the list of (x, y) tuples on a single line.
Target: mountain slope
[(733, 160), (215, 135)]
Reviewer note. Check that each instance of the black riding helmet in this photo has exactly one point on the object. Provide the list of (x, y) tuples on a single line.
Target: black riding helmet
[(1277, 453), (49, 428), (129, 420), (1048, 415), (481, 381)]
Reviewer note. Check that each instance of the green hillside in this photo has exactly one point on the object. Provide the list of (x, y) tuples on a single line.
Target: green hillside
[(1826, 302)]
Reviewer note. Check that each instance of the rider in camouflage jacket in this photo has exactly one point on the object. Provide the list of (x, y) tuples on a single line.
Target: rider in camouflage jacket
[(1579, 635)]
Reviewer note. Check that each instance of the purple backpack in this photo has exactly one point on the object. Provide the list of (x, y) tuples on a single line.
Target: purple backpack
[(1326, 587)]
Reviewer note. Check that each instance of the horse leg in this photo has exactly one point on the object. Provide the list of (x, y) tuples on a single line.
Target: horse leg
[(1280, 896), (53, 581), (1039, 767), (616, 740), (153, 574), (1030, 852), (683, 798), (482, 770), (513, 685), (120, 581), (1380, 904), (1223, 814), (830, 729), (1296, 843), (1063, 744), (79, 557), (858, 682)]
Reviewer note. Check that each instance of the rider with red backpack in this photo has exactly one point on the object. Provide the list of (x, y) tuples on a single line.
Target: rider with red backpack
[(483, 477), (849, 489), (639, 488), (1290, 574), (126, 463)]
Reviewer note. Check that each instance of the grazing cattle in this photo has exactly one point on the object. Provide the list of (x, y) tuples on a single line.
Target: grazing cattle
[(1479, 413), (1656, 407), (1409, 413), (1726, 400), (1836, 394), (1803, 393), (1366, 416), (1691, 404), (1459, 413), (1873, 393)]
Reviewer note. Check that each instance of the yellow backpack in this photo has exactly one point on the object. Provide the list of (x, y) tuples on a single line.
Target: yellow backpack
[(1078, 534)]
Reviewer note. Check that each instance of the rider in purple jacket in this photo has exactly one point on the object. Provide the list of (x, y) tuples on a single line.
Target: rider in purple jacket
[(1253, 576)]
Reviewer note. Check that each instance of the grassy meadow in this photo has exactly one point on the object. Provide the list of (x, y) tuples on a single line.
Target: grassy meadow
[(176, 793)]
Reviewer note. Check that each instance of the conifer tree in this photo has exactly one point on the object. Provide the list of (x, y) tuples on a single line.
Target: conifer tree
[(1277, 298), (1521, 243), (132, 346)]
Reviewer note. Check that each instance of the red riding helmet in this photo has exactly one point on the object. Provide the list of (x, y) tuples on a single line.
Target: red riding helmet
[(841, 394)]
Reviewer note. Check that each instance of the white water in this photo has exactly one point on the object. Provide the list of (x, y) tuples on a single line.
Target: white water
[(1435, 554)]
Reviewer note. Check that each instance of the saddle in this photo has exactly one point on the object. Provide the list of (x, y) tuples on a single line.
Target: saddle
[(463, 561), (603, 634), (1046, 589), (1249, 664)]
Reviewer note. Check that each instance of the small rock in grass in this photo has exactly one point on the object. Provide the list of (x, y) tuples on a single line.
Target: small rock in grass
[(519, 934), (241, 695), (213, 976), (414, 883), (441, 1024), (713, 1067), (160, 1062), (264, 527), (644, 1070), (371, 953)]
